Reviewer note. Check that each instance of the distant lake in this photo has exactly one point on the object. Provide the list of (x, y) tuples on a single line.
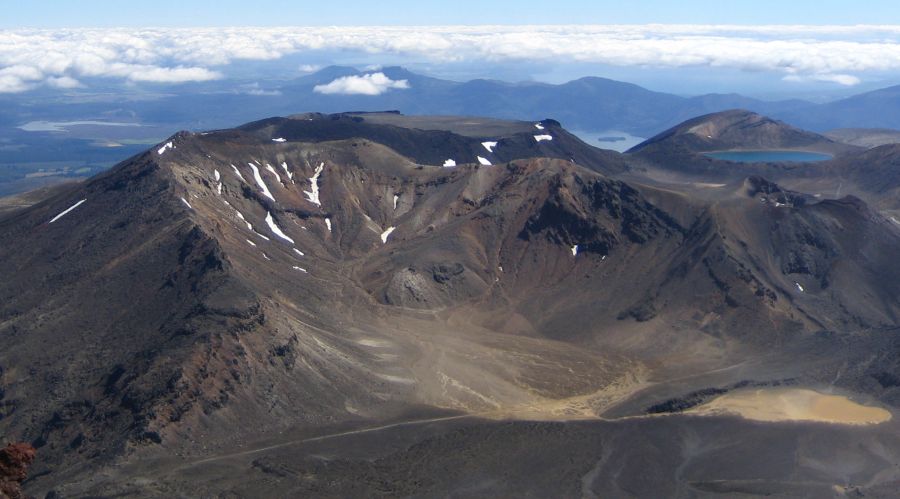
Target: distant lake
[(768, 156), (615, 140), (62, 126)]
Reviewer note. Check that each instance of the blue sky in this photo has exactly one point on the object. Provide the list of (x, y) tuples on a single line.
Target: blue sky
[(177, 13)]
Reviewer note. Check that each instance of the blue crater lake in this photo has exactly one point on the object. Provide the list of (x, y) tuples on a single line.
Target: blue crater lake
[(768, 156)]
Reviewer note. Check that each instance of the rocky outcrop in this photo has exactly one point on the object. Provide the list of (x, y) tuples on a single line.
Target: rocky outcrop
[(14, 462)]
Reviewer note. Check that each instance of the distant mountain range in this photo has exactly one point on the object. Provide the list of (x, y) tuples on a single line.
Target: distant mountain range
[(875, 109), (590, 107), (587, 104)]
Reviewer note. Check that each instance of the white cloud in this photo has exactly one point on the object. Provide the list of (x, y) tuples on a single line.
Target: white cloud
[(842, 54), (255, 89), (309, 68), (263, 93), (368, 84), (63, 82), (846, 80), (18, 78), (12, 84), (840, 79), (172, 75)]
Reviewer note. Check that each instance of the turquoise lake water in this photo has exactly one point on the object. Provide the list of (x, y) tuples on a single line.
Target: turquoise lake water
[(768, 156)]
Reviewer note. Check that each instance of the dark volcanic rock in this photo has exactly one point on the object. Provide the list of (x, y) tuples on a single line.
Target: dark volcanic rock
[(237, 295), (738, 129)]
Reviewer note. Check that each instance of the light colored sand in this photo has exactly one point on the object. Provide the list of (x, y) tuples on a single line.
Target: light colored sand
[(373, 343), (580, 407), (793, 404)]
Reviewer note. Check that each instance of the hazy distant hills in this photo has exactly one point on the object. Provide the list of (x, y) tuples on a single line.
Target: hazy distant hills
[(589, 104), (876, 109), (590, 107)]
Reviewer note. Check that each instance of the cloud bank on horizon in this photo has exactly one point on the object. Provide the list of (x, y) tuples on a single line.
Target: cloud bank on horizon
[(62, 58)]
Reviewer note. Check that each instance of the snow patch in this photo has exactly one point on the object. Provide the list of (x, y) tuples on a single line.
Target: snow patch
[(484, 161), (266, 256), (328, 224), (313, 195), (276, 229), (167, 145), (251, 242), (575, 250), (290, 174), (219, 189), (385, 234), (272, 170), (539, 138), (300, 269), (260, 182), (218, 177), (539, 126), (241, 216), (489, 146), (279, 139), (185, 201), (238, 173), (799, 287), (66, 211), (449, 163), (396, 198), (299, 252)]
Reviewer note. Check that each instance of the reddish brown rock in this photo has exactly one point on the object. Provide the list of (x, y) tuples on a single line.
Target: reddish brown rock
[(14, 462)]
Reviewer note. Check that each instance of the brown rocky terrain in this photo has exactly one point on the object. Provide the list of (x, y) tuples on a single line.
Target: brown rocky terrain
[(14, 462), (317, 305), (865, 137), (739, 129)]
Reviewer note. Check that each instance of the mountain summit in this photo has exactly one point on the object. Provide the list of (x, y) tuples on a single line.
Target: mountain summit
[(739, 129), (202, 318)]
